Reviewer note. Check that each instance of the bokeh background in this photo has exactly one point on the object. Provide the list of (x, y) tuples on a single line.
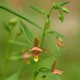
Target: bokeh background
[(68, 59)]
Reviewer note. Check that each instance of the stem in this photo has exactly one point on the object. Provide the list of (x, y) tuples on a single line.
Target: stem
[(50, 11), (47, 24), (43, 36), (6, 58)]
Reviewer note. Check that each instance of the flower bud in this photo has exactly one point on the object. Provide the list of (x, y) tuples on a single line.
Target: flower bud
[(55, 6), (13, 21), (65, 10), (19, 33), (61, 17), (47, 23)]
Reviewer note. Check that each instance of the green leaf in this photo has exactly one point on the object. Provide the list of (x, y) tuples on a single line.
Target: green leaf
[(65, 10), (16, 75), (2, 6), (17, 43), (61, 17), (16, 57), (29, 36), (37, 9), (63, 3), (53, 76), (44, 70), (56, 34), (6, 27)]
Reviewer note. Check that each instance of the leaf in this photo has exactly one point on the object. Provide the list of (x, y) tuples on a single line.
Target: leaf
[(44, 70), (16, 75), (61, 17), (16, 57), (29, 36), (37, 9), (2, 6), (65, 10), (56, 34), (6, 27), (63, 3), (53, 76), (17, 43)]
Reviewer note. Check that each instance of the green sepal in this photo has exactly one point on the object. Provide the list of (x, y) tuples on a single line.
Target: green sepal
[(61, 17), (38, 9)]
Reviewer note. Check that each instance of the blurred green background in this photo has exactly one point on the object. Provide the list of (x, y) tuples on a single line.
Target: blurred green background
[(68, 59)]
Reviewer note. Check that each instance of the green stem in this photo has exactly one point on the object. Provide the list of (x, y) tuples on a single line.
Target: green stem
[(2, 6), (47, 24), (6, 58), (43, 36), (50, 11)]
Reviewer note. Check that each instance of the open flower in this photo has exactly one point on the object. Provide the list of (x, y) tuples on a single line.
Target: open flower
[(55, 71), (36, 50), (59, 42)]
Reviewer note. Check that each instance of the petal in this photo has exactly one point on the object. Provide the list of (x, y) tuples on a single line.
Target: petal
[(57, 72), (35, 48), (26, 55)]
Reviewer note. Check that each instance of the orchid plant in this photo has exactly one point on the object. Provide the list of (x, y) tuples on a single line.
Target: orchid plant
[(36, 48)]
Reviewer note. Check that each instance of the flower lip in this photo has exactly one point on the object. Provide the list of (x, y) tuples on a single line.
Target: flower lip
[(26, 55), (36, 58)]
